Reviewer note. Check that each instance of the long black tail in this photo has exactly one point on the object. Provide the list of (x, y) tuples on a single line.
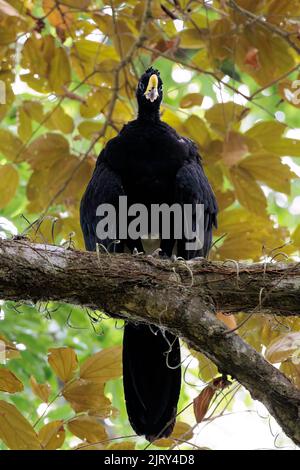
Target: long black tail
[(152, 379)]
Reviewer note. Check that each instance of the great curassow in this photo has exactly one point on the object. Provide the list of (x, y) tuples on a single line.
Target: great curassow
[(150, 164)]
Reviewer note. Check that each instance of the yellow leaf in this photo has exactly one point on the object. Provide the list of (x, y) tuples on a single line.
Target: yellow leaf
[(284, 147), (182, 431), (7, 9), (125, 445), (64, 362), (279, 179), (9, 181), (8, 348), (46, 150), (265, 131), (88, 446), (292, 371), (191, 39), (40, 390), (15, 431), (87, 428), (248, 192), (191, 99), (24, 125), (207, 369), (9, 382), (283, 348), (275, 55), (59, 119), (96, 103), (52, 435), (85, 395), (222, 116), (197, 130), (102, 366), (10, 145), (60, 71), (234, 148), (89, 129), (202, 60)]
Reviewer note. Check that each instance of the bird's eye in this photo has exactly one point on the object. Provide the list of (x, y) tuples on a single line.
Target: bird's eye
[(141, 86)]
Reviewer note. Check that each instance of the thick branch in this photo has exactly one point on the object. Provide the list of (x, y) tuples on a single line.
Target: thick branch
[(180, 296)]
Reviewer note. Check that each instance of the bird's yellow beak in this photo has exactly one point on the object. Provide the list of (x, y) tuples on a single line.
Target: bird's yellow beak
[(151, 92)]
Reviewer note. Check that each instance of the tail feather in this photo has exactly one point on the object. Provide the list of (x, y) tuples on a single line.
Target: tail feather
[(152, 379)]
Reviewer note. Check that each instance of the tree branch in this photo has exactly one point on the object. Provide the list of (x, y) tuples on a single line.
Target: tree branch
[(180, 296)]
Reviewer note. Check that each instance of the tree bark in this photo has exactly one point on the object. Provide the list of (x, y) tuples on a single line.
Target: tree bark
[(180, 296)]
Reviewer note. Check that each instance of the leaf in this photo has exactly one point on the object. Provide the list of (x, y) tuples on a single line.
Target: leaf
[(60, 71), (265, 131), (89, 129), (9, 181), (191, 99), (59, 17), (10, 145), (292, 371), (234, 148), (95, 103), (191, 38), (102, 366), (202, 401), (283, 348), (7, 9), (223, 116), (52, 435), (248, 192), (125, 445), (87, 428), (9, 349), (42, 391), (15, 431), (181, 431), (207, 369), (9, 382), (197, 130), (279, 179), (44, 151), (64, 362), (59, 119), (85, 395)]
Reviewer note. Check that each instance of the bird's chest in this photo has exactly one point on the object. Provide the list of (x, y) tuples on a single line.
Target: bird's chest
[(150, 170)]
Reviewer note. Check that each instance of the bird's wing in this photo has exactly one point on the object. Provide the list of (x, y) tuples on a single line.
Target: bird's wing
[(105, 187), (192, 187)]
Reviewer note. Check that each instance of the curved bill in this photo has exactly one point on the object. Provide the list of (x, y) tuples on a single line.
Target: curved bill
[(151, 92)]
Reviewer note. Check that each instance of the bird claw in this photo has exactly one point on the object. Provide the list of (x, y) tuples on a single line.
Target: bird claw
[(136, 252), (156, 253)]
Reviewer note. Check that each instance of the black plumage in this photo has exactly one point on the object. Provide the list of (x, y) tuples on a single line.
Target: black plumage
[(150, 164)]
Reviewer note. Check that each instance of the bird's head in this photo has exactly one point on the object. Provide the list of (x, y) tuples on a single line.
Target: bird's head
[(149, 92)]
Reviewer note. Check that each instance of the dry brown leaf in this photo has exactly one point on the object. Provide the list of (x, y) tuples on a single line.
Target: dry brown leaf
[(15, 431), (9, 382), (42, 391), (64, 362), (52, 435), (86, 395), (102, 366), (283, 348), (88, 428)]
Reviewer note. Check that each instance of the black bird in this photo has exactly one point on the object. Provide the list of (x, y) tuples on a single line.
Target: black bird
[(150, 164)]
